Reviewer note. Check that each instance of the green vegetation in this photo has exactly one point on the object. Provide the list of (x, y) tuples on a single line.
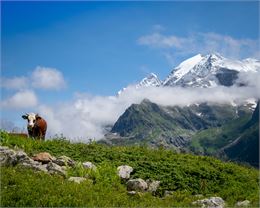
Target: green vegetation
[(185, 175), (210, 141)]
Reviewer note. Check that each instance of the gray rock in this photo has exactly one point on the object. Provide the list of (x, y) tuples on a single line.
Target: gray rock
[(212, 202), (77, 179), (152, 185), (244, 203), (7, 157), (168, 193), (35, 165), (22, 156), (89, 165), (124, 171), (64, 161), (136, 185), (56, 169)]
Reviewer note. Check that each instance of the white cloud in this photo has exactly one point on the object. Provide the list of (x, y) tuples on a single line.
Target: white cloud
[(16, 83), (47, 78), (202, 43), (87, 115), (21, 99)]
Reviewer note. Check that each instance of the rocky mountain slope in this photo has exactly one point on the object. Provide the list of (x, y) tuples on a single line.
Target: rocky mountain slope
[(175, 126)]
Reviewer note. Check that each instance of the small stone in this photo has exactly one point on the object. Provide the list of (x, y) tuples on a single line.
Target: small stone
[(244, 203), (212, 202), (124, 171), (89, 165), (43, 157), (152, 185), (64, 161), (168, 193), (132, 193), (77, 179), (136, 185)]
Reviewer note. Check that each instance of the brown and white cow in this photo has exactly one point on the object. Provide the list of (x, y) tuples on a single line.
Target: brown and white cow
[(36, 126)]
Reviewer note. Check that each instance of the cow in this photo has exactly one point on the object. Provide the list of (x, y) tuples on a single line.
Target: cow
[(36, 126)]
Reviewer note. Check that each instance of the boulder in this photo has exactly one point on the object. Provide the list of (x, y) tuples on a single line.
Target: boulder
[(89, 165), (136, 185), (56, 169), (124, 171), (35, 165), (21, 156), (244, 203), (64, 161), (212, 202), (7, 156), (152, 185), (77, 179), (43, 157)]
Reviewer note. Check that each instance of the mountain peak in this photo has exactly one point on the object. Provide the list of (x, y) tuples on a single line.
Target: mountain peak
[(150, 81)]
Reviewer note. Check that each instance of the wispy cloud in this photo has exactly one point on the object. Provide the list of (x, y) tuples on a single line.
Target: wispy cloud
[(204, 43), (47, 78), (15, 83), (21, 99)]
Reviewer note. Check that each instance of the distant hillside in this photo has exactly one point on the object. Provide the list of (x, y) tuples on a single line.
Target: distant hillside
[(202, 129), (246, 147)]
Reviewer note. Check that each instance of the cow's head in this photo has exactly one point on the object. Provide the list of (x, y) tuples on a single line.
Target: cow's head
[(31, 118)]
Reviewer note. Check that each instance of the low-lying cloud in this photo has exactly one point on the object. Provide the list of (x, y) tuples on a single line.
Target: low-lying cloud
[(87, 116)]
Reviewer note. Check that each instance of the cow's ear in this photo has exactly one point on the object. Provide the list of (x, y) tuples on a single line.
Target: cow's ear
[(37, 116), (25, 116)]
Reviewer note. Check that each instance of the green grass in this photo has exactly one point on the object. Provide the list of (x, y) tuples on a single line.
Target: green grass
[(185, 175)]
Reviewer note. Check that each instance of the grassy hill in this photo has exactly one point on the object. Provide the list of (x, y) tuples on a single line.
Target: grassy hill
[(186, 175)]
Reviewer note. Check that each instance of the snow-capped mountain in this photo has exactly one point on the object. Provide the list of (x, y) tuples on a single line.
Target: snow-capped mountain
[(150, 81), (202, 71), (209, 71)]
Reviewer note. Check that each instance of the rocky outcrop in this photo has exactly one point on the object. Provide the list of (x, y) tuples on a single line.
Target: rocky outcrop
[(212, 202), (124, 171), (40, 162)]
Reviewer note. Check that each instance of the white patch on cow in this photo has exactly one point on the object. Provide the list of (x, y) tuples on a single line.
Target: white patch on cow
[(31, 119)]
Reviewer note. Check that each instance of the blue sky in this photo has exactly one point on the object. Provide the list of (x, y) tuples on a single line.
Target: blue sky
[(100, 47)]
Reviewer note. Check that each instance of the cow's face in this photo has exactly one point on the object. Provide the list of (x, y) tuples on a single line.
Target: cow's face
[(31, 118)]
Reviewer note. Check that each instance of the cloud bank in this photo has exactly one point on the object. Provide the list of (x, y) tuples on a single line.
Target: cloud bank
[(87, 116)]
